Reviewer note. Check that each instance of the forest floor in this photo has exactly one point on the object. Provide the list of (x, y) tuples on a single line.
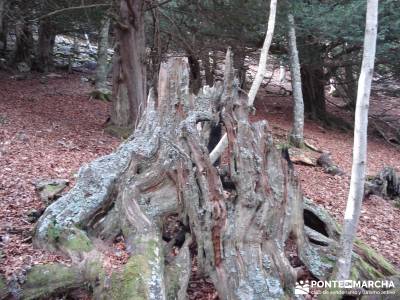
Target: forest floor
[(50, 127)]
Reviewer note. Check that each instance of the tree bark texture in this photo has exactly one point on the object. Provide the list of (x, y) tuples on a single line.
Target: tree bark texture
[(156, 51), (102, 55), (240, 66), (23, 43), (385, 184), (356, 193), (350, 88), (207, 63), (45, 46), (195, 73), (297, 135), (129, 70), (2, 10), (312, 79), (313, 89), (241, 230)]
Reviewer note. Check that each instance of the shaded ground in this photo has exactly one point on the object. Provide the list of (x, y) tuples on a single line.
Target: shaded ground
[(48, 128), (47, 131)]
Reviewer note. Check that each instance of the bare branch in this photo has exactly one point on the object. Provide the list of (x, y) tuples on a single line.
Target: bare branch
[(66, 9)]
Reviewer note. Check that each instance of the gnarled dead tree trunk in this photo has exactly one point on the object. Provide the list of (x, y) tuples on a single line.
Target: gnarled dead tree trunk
[(240, 229)]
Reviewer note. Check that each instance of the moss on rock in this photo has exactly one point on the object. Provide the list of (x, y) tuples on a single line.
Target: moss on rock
[(130, 284), (138, 278), (78, 241), (376, 261), (45, 280)]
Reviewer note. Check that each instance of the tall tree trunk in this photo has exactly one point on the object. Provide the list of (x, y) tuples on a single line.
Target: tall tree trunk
[(312, 79), (356, 193), (129, 69), (262, 67), (313, 89), (297, 135), (195, 73), (350, 88), (4, 34), (2, 31), (102, 55), (23, 43), (156, 50), (46, 45)]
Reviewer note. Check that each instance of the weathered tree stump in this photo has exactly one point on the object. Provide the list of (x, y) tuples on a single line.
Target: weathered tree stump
[(385, 184), (164, 168)]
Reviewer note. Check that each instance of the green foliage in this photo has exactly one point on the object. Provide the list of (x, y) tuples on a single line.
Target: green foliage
[(201, 26), (340, 26)]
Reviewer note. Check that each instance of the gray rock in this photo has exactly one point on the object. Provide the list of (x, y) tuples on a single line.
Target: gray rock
[(50, 190), (90, 65), (23, 67)]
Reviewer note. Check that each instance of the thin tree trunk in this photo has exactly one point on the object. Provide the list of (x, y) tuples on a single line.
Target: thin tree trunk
[(282, 73), (297, 135), (262, 66), (129, 69), (45, 46), (2, 9), (102, 55), (356, 193)]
